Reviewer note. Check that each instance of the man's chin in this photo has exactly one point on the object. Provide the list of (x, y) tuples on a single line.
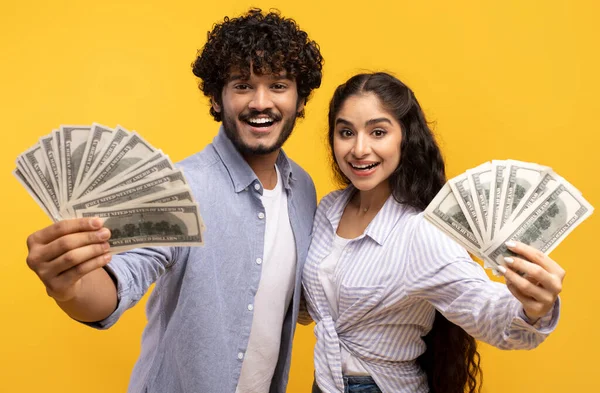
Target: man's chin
[(258, 150)]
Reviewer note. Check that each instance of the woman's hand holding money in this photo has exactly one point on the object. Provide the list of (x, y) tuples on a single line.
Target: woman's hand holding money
[(533, 278)]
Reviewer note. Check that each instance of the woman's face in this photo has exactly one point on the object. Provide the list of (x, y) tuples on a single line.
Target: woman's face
[(366, 142)]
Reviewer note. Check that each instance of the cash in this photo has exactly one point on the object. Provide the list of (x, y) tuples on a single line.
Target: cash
[(113, 174), (504, 200)]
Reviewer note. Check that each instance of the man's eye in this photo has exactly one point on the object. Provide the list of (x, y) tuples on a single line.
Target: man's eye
[(279, 86), (241, 87)]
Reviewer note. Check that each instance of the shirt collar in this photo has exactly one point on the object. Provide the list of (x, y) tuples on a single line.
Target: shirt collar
[(239, 171), (381, 226)]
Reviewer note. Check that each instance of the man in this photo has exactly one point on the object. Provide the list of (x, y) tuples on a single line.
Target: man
[(221, 317)]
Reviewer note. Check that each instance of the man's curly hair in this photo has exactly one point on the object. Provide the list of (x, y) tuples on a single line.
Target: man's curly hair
[(270, 42)]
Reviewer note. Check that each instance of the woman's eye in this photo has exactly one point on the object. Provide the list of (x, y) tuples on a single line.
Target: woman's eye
[(345, 133), (378, 133)]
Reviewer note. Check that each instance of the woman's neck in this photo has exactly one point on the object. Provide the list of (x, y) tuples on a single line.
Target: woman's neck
[(370, 201)]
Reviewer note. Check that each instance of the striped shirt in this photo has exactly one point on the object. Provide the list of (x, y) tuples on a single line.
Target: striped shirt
[(390, 280)]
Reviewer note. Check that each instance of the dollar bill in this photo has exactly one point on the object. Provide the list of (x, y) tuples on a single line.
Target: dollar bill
[(547, 182), (150, 225), (545, 224), (480, 180), (52, 164), (155, 165), (134, 150), (520, 177), (31, 191), (462, 193), (498, 170), (168, 181), (118, 137), (33, 159), (73, 140), (97, 138), (445, 213), (171, 197)]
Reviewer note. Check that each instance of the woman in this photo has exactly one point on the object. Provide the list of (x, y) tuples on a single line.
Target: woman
[(378, 275)]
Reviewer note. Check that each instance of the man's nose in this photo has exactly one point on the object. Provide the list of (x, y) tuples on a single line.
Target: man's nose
[(261, 99)]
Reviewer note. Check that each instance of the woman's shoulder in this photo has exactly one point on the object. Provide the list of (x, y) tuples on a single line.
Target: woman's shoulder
[(328, 200)]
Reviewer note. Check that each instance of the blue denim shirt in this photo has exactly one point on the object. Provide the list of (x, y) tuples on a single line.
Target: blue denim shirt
[(198, 319)]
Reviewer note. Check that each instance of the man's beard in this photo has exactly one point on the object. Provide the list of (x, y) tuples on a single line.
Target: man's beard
[(234, 135)]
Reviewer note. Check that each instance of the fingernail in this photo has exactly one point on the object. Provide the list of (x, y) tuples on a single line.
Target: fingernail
[(107, 257), (103, 234), (105, 246), (95, 222), (510, 244), (502, 270), (508, 260)]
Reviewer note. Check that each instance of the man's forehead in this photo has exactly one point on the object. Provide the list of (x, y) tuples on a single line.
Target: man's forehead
[(239, 74)]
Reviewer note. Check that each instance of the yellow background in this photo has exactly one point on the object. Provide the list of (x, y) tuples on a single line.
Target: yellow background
[(512, 79)]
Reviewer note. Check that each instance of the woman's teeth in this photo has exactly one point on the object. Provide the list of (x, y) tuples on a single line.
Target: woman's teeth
[(364, 167)]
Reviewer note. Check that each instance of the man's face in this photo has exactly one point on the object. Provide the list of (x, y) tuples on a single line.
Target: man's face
[(259, 112)]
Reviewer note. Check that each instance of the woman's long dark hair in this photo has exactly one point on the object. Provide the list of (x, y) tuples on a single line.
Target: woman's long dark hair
[(451, 360)]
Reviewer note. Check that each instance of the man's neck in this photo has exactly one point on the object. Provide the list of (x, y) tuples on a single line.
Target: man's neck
[(264, 167)]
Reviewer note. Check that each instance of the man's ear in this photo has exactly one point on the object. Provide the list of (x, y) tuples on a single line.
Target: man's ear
[(216, 107), (300, 106)]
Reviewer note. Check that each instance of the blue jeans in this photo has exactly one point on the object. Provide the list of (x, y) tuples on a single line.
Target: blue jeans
[(362, 384)]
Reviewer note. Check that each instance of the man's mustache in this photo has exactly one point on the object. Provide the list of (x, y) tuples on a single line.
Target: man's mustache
[(268, 112)]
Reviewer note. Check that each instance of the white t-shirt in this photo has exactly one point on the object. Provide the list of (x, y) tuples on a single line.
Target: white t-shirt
[(350, 364), (273, 296)]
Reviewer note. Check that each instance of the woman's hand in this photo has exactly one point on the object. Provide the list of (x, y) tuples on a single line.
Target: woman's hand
[(533, 278)]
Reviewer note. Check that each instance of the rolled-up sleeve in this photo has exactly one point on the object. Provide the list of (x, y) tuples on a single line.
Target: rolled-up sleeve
[(134, 272), (459, 288)]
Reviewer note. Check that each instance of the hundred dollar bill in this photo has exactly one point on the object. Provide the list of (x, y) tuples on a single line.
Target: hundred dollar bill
[(498, 170), (97, 138), (73, 140), (119, 136), (168, 181), (445, 213), (548, 181), (57, 149), (520, 177), (545, 224), (33, 158), (155, 165), (480, 180), (134, 150), (52, 164), (178, 195), (31, 191), (171, 197), (462, 193), (150, 225)]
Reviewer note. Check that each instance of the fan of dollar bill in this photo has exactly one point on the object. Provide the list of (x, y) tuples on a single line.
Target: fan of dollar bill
[(114, 174), (507, 200)]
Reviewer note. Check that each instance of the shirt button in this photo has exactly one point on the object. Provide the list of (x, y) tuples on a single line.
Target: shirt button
[(240, 355), (258, 261), (257, 186), (250, 307), (261, 215)]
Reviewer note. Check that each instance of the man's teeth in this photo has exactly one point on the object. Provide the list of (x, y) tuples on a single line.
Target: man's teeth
[(260, 120), (364, 167)]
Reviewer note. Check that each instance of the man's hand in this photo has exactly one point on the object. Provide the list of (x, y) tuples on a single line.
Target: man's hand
[(63, 253)]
